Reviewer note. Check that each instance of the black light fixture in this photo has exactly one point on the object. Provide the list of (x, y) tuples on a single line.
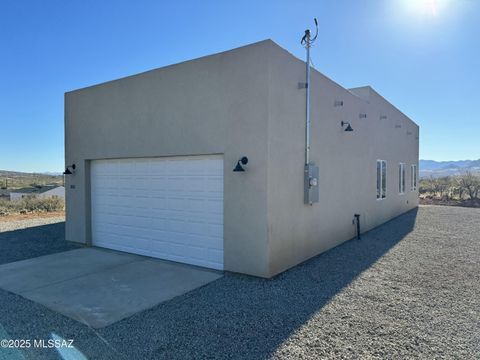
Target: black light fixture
[(348, 128), (239, 167), (68, 171)]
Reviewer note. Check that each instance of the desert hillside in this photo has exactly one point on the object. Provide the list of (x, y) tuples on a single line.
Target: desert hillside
[(14, 180)]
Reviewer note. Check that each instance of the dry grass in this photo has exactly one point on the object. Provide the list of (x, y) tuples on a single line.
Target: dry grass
[(31, 204), (30, 216)]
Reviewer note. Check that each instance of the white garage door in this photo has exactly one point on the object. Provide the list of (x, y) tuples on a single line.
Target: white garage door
[(170, 208)]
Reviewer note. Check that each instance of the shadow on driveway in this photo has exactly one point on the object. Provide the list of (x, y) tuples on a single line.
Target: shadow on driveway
[(34, 241)]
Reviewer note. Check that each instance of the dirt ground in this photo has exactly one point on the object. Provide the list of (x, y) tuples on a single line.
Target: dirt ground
[(46, 215)]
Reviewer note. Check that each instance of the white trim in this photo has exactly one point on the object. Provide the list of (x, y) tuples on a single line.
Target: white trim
[(413, 177), (401, 178), (381, 190)]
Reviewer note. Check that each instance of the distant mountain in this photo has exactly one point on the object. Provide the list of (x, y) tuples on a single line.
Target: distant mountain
[(432, 168), (16, 179), (20, 173), (12, 173)]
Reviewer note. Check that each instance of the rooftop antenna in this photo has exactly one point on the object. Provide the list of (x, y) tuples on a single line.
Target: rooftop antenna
[(311, 171)]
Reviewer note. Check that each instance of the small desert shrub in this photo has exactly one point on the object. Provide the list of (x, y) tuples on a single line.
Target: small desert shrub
[(31, 204), (34, 204), (460, 187)]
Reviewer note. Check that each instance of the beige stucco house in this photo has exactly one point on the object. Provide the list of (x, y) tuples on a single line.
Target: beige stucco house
[(154, 155)]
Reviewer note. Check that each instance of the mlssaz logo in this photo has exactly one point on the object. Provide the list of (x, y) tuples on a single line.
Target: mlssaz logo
[(50, 343)]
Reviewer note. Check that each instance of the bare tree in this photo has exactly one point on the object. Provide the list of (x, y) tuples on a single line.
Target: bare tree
[(471, 184), (440, 185), (458, 188)]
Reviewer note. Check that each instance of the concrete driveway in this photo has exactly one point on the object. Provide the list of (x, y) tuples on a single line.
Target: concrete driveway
[(99, 287)]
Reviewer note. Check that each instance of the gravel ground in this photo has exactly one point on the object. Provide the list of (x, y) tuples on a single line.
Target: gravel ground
[(6, 224), (24, 239), (408, 289)]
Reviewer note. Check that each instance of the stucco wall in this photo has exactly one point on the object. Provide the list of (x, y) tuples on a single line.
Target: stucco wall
[(213, 105), (247, 102), (346, 160)]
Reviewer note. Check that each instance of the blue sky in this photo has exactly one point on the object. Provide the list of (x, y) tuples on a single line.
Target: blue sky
[(422, 55)]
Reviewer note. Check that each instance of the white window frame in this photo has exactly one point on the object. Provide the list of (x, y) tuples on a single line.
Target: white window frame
[(381, 179), (413, 177), (401, 178)]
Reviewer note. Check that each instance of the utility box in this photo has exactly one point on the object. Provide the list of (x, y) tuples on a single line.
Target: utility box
[(311, 193)]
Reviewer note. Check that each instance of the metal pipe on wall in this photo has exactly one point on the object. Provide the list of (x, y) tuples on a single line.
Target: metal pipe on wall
[(311, 193)]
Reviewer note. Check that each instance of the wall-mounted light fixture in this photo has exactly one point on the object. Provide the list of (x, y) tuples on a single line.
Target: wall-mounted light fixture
[(68, 171), (348, 128), (239, 167)]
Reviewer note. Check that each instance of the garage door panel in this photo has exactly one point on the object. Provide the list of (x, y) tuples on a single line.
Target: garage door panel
[(198, 228), (212, 183), (215, 255), (158, 203), (210, 242), (143, 213), (196, 205), (140, 202), (159, 224), (215, 230), (176, 203), (214, 206), (170, 208), (159, 183)]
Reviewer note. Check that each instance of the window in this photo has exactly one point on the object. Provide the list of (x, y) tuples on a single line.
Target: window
[(401, 178), (381, 179), (413, 178)]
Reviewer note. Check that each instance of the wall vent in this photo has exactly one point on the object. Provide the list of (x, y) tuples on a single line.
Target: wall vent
[(362, 116), (383, 117), (338, 103)]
